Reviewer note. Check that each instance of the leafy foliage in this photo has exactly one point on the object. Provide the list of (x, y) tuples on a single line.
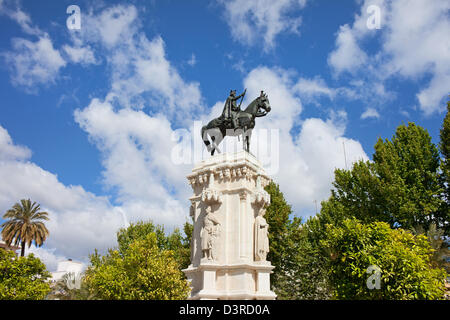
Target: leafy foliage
[(22, 278), (400, 187), (146, 266), (298, 272), (444, 147), (25, 225), (409, 167), (404, 261), (175, 241), (277, 216)]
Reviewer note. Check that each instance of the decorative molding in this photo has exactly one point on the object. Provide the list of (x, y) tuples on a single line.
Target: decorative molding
[(228, 172), (261, 198), (211, 196)]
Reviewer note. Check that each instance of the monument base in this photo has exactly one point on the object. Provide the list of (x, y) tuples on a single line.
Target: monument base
[(229, 241), (241, 281)]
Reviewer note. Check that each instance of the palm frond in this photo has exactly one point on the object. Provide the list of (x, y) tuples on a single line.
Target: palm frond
[(25, 224)]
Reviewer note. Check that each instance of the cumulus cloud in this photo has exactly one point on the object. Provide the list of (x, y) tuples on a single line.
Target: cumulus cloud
[(79, 220), (312, 89), (149, 74), (140, 73), (137, 162), (31, 63), (48, 256), (135, 146), (10, 151), (314, 151), (83, 55), (34, 63), (263, 20), (347, 56), (413, 45), (370, 113), (133, 127), (11, 8)]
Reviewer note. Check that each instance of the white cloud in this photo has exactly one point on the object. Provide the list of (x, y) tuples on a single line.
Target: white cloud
[(310, 89), (370, 113), (141, 75), (9, 150), (414, 45), (421, 47), (31, 63), (48, 256), (83, 55), (314, 152), (347, 56), (115, 25), (34, 63), (252, 21), (136, 151), (79, 220), (136, 146), (147, 73), (11, 9)]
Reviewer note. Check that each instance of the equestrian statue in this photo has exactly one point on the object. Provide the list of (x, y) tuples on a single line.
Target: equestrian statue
[(234, 121)]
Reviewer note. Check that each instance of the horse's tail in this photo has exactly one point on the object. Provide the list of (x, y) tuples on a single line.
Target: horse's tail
[(205, 138)]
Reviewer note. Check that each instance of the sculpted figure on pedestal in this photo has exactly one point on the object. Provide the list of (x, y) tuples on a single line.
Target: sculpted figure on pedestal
[(209, 234), (261, 236)]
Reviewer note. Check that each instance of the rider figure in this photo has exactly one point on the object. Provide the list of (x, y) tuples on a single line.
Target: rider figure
[(230, 109)]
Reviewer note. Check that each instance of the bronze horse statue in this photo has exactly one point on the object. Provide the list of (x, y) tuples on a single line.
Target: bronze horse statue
[(220, 127)]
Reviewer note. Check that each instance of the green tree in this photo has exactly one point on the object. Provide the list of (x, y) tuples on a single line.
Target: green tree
[(444, 146), (25, 225), (141, 271), (277, 216), (175, 241), (408, 165), (22, 278), (359, 193), (298, 272), (304, 272), (400, 187), (403, 260)]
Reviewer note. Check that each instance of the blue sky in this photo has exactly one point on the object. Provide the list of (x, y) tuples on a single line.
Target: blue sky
[(87, 115)]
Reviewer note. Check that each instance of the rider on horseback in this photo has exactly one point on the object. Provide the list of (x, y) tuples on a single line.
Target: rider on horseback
[(230, 109)]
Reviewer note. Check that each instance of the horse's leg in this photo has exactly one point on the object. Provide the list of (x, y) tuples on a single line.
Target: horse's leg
[(205, 138), (213, 138), (247, 140), (218, 141)]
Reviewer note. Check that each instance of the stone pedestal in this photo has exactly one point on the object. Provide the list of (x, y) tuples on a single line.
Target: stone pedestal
[(228, 196)]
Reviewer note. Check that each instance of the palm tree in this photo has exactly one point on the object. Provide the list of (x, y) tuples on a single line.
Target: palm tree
[(25, 225)]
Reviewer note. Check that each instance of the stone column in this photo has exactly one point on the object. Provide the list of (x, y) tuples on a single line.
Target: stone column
[(243, 250)]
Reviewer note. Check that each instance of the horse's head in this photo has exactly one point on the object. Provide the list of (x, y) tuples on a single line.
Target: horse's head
[(263, 103)]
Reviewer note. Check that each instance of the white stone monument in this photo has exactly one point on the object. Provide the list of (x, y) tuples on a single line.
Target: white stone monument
[(229, 243)]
